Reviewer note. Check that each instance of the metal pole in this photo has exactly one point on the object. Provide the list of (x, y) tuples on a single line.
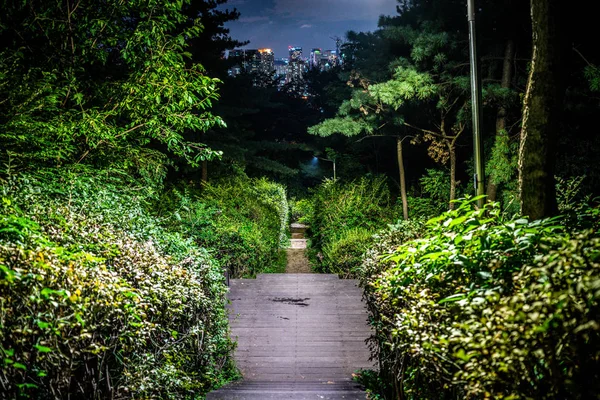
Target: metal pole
[(334, 177), (479, 176)]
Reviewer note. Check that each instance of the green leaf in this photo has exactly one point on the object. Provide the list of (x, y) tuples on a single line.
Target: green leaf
[(42, 324), (453, 298), (42, 349), (19, 366)]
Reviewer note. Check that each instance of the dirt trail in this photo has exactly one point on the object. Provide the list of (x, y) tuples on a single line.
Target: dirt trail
[(297, 262)]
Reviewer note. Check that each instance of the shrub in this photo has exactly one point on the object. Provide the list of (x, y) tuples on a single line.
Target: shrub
[(343, 254), (301, 210), (486, 307), (244, 222), (342, 210), (99, 299)]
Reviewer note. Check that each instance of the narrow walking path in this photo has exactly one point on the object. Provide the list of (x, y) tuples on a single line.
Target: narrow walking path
[(297, 263), (300, 336)]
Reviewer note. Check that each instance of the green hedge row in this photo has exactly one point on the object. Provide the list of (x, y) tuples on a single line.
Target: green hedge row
[(100, 299), (342, 218), (242, 221), (477, 306)]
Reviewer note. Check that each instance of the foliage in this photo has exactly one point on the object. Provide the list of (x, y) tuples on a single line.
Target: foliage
[(108, 81), (503, 160), (99, 299), (343, 253), (435, 185), (300, 210), (346, 213), (579, 209), (242, 221), (372, 381), (592, 74), (486, 307), (433, 197)]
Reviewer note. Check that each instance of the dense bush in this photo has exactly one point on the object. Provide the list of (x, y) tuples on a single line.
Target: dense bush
[(300, 210), (99, 300), (434, 195), (487, 307), (242, 221), (345, 251), (342, 218)]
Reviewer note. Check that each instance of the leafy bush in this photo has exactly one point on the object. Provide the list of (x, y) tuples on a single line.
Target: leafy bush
[(344, 253), (346, 211), (300, 210), (485, 307), (244, 222), (435, 193), (99, 299)]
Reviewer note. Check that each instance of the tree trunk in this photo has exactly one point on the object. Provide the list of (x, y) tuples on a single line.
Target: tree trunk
[(452, 151), (402, 177), (541, 113), (204, 177), (507, 76)]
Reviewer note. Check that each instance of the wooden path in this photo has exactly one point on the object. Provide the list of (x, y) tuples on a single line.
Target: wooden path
[(300, 336)]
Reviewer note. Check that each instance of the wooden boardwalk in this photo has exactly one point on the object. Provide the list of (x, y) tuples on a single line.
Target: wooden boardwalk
[(300, 336)]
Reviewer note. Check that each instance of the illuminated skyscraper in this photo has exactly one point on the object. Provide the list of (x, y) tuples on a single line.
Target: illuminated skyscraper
[(252, 61), (315, 58), (295, 66), (281, 67), (267, 62)]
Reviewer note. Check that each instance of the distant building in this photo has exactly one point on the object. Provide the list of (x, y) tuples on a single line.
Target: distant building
[(315, 58), (329, 59), (236, 60), (296, 65), (251, 61), (281, 66), (266, 62)]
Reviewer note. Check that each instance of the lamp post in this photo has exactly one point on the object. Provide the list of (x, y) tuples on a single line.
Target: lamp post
[(479, 176), (331, 161)]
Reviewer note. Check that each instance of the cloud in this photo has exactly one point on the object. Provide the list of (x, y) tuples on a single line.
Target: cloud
[(249, 20), (334, 10), (305, 26)]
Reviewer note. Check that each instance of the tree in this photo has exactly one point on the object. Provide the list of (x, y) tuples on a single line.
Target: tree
[(207, 48), (105, 82), (433, 81), (363, 114), (542, 113)]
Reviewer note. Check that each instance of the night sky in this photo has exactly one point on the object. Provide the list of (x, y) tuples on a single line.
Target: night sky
[(277, 24)]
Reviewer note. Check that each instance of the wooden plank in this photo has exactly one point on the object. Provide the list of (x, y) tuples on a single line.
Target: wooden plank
[(297, 328)]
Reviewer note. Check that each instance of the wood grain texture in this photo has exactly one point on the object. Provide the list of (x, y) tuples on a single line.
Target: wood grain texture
[(300, 336)]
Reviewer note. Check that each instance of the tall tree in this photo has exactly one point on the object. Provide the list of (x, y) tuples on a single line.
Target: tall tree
[(542, 112), (107, 82), (433, 81), (364, 114)]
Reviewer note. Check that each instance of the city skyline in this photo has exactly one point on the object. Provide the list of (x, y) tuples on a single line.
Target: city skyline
[(278, 24)]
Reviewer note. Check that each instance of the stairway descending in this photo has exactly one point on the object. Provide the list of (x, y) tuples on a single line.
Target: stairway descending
[(300, 336)]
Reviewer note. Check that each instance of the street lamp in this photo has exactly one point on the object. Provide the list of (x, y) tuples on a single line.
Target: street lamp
[(479, 176), (315, 158)]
